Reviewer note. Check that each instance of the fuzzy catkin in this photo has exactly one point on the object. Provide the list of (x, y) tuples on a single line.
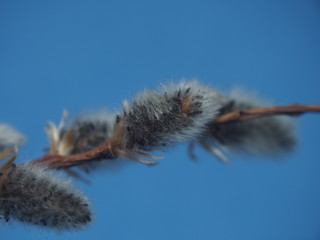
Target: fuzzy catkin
[(266, 136), (91, 130), (34, 195), (178, 113), (10, 137)]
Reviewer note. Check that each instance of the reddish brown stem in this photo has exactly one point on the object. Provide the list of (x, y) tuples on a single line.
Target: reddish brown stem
[(57, 161), (291, 110)]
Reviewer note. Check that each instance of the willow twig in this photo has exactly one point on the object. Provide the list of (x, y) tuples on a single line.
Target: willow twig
[(106, 152), (291, 110)]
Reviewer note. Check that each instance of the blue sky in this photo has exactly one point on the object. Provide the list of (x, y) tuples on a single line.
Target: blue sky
[(87, 55)]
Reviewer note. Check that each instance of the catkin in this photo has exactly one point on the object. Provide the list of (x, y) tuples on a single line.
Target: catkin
[(91, 130), (35, 195), (10, 137), (266, 136), (178, 113)]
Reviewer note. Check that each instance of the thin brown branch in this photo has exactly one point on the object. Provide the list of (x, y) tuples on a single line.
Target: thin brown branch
[(105, 151), (57, 161), (291, 110)]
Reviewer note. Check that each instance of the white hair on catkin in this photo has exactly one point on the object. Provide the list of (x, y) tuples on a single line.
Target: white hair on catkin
[(177, 113), (36, 195), (91, 130), (10, 137), (266, 136)]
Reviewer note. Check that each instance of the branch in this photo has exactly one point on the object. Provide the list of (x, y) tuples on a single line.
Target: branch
[(291, 110), (106, 151)]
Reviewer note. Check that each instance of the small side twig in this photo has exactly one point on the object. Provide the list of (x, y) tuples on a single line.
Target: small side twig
[(291, 110), (57, 161)]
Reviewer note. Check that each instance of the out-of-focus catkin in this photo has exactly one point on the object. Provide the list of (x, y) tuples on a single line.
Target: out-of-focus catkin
[(10, 137), (91, 130), (266, 136), (35, 195)]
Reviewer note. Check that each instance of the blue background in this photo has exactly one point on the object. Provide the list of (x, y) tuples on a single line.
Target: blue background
[(81, 55)]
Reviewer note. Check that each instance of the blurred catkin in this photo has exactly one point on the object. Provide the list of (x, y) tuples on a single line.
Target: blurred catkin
[(91, 130), (10, 137), (35, 195), (266, 136)]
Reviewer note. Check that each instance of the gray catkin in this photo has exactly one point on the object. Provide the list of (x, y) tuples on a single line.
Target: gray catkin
[(266, 136), (35, 195), (10, 137), (91, 130), (177, 113)]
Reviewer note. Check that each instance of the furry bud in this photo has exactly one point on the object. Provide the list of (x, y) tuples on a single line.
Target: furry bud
[(178, 113), (266, 136), (91, 130), (10, 137), (35, 195)]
